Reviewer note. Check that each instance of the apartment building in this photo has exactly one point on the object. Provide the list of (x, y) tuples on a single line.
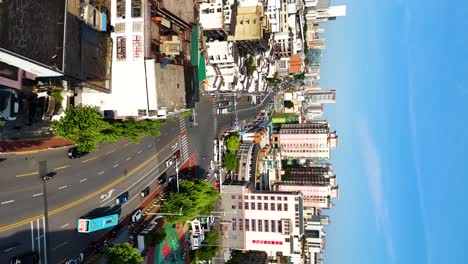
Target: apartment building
[(264, 221)]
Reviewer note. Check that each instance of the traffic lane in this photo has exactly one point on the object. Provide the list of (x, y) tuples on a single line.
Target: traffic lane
[(59, 238), (67, 242), (64, 190), (80, 168), (26, 165)]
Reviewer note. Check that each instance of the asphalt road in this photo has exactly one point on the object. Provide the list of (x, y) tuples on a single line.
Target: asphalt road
[(79, 186), (93, 181)]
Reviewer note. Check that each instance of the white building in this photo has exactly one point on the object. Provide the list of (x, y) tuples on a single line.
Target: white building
[(273, 14), (223, 54), (133, 78), (211, 15), (315, 237), (263, 221), (314, 196)]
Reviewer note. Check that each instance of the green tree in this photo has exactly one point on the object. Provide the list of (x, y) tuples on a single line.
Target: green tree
[(288, 104), (195, 197), (209, 248), (83, 126), (230, 161), (123, 253), (233, 142)]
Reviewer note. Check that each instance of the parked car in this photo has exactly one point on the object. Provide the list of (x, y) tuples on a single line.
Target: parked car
[(74, 153), (9, 103), (27, 258), (121, 199), (136, 217), (145, 192), (169, 162), (162, 179), (78, 259)]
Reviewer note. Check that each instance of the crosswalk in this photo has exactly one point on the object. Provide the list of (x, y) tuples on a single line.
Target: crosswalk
[(38, 239), (215, 116), (183, 139)]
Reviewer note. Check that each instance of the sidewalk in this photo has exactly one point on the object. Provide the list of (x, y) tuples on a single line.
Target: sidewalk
[(32, 145)]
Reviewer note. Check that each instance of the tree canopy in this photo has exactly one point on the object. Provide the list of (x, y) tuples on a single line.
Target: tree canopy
[(288, 104), (86, 127), (209, 248), (233, 142), (195, 197), (123, 253), (230, 161), (83, 126)]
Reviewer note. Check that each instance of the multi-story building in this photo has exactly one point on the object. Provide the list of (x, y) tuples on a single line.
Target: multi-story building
[(306, 141), (314, 196), (271, 222), (56, 39), (217, 19), (314, 98), (315, 236), (132, 55), (323, 12), (252, 29), (223, 54)]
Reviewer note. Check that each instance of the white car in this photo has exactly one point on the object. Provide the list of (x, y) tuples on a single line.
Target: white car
[(136, 216), (76, 260), (169, 162)]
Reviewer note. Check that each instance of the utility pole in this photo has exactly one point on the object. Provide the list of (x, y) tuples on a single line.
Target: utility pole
[(194, 115), (44, 177), (177, 173)]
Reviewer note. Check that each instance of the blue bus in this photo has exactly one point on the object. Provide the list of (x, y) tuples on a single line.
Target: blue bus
[(88, 224)]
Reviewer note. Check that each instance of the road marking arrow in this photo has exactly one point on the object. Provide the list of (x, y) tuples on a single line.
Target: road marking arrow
[(107, 195)]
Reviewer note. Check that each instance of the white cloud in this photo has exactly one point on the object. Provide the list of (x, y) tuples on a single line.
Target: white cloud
[(373, 171)]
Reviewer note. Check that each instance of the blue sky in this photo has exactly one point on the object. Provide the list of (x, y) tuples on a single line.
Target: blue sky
[(400, 71)]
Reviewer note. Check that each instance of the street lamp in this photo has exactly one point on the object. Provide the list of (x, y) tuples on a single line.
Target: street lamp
[(44, 176), (177, 173)]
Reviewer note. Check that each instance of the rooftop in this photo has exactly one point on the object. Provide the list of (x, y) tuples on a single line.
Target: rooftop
[(211, 15), (295, 64), (26, 24)]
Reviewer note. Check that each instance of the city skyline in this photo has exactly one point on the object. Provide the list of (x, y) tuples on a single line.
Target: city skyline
[(390, 62)]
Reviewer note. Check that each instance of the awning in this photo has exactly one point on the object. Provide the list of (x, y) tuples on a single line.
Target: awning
[(194, 45), (202, 68)]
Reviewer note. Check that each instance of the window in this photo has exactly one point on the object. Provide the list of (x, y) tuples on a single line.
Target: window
[(247, 225), (241, 224), (273, 226), (141, 112), (272, 198), (234, 224), (259, 206), (259, 198), (246, 197), (260, 228), (267, 228), (238, 197), (285, 198), (246, 206), (240, 205), (252, 197), (252, 205), (272, 207), (285, 206), (254, 225), (279, 207), (121, 8), (287, 240), (136, 8), (296, 207), (119, 27), (265, 206), (265, 198), (233, 206), (233, 197)]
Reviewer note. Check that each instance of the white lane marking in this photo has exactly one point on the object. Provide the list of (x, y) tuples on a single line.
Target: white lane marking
[(37, 194), (115, 165), (139, 180), (38, 236), (32, 235), (7, 202), (149, 146), (129, 158), (83, 180), (63, 244), (139, 152), (65, 225), (63, 187), (45, 245), (9, 249), (100, 173), (107, 195)]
